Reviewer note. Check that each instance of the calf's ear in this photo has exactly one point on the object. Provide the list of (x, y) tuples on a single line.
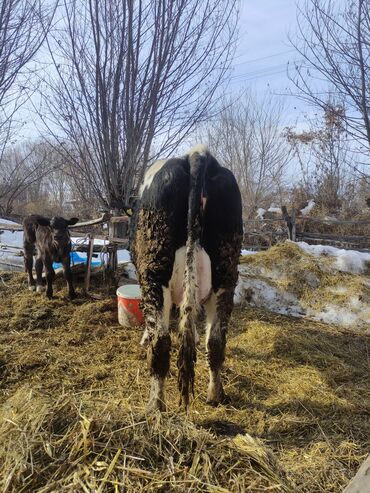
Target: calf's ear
[(43, 221), (72, 221)]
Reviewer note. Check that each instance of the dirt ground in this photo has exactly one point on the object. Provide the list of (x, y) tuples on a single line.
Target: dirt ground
[(74, 383)]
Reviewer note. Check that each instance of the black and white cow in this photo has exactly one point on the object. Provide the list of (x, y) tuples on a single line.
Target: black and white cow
[(185, 243)]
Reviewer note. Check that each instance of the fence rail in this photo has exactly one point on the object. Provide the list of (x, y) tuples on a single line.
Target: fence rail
[(296, 230)]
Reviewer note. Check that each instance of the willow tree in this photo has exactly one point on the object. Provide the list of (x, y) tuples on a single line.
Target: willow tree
[(131, 79)]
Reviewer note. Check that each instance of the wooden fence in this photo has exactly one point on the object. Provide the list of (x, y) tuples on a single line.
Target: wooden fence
[(262, 233), (258, 234), (115, 239)]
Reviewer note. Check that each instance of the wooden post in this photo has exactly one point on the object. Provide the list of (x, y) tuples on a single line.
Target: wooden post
[(289, 223), (90, 250), (118, 227), (293, 223)]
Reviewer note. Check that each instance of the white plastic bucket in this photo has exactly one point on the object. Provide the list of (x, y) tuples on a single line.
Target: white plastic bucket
[(128, 298)]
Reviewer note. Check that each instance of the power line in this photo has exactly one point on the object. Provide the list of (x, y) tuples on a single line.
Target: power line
[(262, 72), (261, 76), (263, 57)]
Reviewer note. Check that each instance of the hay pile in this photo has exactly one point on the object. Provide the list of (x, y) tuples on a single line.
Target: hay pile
[(288, 280), (74, 385)]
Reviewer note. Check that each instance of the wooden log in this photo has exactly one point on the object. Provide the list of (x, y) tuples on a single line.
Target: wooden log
[(361, 481), (329, 236), (333, 220), (11, 227), (102, 219)]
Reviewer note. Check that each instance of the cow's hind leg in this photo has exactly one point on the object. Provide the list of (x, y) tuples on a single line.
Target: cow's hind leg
[(38, 267), (50, 275), (28, 264), (67, 272), (218, 310), (157, 315)]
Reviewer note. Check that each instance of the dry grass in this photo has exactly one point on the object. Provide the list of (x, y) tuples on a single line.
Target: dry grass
[(73, 390), (311, 279)]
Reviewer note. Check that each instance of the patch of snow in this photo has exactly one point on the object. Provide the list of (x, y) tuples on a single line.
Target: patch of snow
[(345, 260), (306, 210), (11, 238), (261, 294), (247, 252), (130, 270), (272, 208), (123, 256), (349, 316)]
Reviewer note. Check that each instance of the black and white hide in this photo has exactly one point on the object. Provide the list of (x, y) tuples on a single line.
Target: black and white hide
[(185, 244)]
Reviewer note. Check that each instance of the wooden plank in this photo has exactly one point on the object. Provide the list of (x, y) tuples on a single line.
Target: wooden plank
[(261, 221), (119, 241), (119, 219)]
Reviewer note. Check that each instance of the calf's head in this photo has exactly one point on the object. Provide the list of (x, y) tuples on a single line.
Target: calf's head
[(59, 227)]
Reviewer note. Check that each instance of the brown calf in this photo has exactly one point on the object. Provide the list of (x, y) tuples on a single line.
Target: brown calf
[(53, 244)]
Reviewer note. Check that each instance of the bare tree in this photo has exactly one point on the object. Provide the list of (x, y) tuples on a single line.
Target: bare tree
[(325, 159), (22, 171), (23, 26), (334, 42), (131, 77), (246, 136)]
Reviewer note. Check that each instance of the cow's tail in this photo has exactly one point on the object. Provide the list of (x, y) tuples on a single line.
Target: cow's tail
[(190, 306)]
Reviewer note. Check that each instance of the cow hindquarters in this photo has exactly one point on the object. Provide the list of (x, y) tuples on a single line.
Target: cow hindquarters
[(218, 310)]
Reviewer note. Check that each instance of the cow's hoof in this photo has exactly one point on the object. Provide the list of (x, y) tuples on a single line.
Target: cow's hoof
[(49, 296), (155, 405), (72, 295), (40, 289), (32, 288), (216, 400)]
